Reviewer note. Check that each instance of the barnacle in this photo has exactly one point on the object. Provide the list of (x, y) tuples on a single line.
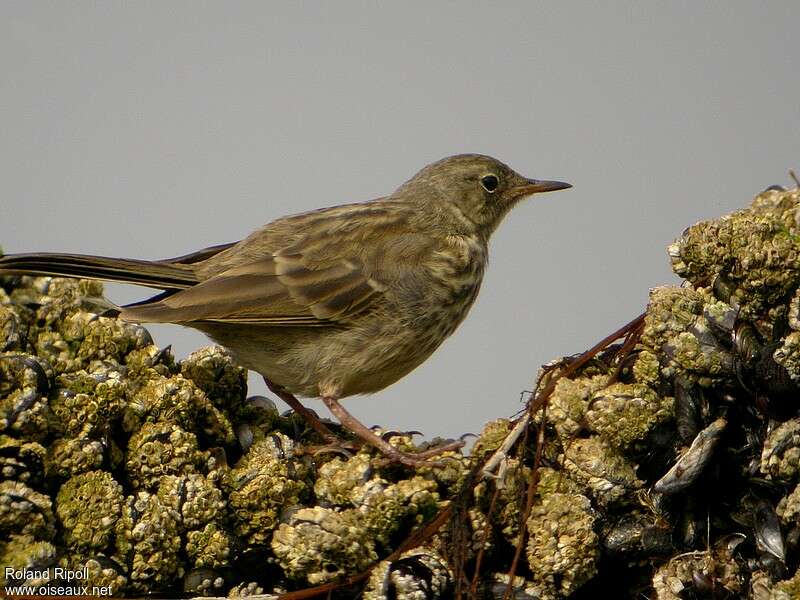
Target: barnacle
[(605, 472), (490, 439), (789, 507), (24, 406), (508, 510), (102, 572), (570, 401), (102, 338), (159, 449), (88, 507), (212, 546), (755, 250), (212, 370), (563, 547), (417, 574), (680, 576), (342, 483), (148, 537), (70, 456), (265, 481), (177, 400), (388, 508), (787, 354), (677, 327), (89, 402), (13, 335), (25, 511), (150, 362), (646, 369), (27, 554), (625, 413), (780, 457), (197, 499), (788, 589), (322, 544), (21, 461)]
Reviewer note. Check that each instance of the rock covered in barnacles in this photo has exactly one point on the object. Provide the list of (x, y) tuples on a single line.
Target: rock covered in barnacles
[(212, 546), (780, 457), (342, 483), (24, 386), (212, 370), (204, 582), (417, 574), (102, 338), (679, 326), (563, 548), (101, 572), (196, 499), (21, 461), (787, 353), (88, 507), (267, 480), (28, 554), (754, 251), (25, 511), (249, 589), (88, 402), (624, 413), (788, 508), (13, 330), (493, 435), (608, 475), (569, 402), (160, 449), (365, 510), (148, 538), (177, 400), (405, 504), (70, 456), (323, 544), (788, 589), (697, 573)]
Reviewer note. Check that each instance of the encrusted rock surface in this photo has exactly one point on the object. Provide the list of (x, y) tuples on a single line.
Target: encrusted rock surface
[(670, 472)]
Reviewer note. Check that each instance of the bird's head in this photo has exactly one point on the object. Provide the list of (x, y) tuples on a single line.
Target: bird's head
[(475, 190)]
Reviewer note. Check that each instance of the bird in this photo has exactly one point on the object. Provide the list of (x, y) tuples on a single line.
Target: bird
[(332, 302)]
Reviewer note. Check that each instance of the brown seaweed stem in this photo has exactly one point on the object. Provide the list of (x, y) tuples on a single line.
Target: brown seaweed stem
[(631, 331)]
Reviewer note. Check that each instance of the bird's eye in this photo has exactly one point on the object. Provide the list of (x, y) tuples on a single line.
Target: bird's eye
[(490, 183)]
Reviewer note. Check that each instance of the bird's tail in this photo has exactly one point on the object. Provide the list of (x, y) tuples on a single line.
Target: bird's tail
[(157, 274)]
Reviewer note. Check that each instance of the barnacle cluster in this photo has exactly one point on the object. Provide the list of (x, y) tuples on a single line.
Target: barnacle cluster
[(669, 468)]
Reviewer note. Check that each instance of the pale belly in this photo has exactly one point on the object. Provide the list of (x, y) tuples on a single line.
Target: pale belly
[(353, 359)]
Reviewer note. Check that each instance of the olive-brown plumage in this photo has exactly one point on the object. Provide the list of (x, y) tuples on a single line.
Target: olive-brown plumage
[(336, 301)]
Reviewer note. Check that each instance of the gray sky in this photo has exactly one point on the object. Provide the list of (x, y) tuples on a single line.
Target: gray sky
[(150, 129)]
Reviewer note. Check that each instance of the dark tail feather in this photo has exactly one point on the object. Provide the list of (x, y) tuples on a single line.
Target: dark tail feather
[(161, 275)]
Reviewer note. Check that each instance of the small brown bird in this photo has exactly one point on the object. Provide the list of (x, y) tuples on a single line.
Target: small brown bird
[(337, 301)]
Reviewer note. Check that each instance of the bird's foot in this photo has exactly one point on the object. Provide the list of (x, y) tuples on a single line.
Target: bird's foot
[(310, 417), (425, 458), (391, 454)]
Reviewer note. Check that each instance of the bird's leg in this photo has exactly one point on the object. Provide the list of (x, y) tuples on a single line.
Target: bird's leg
[(371, 438), (312, 419)]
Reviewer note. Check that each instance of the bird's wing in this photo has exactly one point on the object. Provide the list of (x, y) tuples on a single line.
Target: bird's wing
[(284, 289)]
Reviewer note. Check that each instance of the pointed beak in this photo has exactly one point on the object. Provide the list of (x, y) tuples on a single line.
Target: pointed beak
[(536, 186)]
